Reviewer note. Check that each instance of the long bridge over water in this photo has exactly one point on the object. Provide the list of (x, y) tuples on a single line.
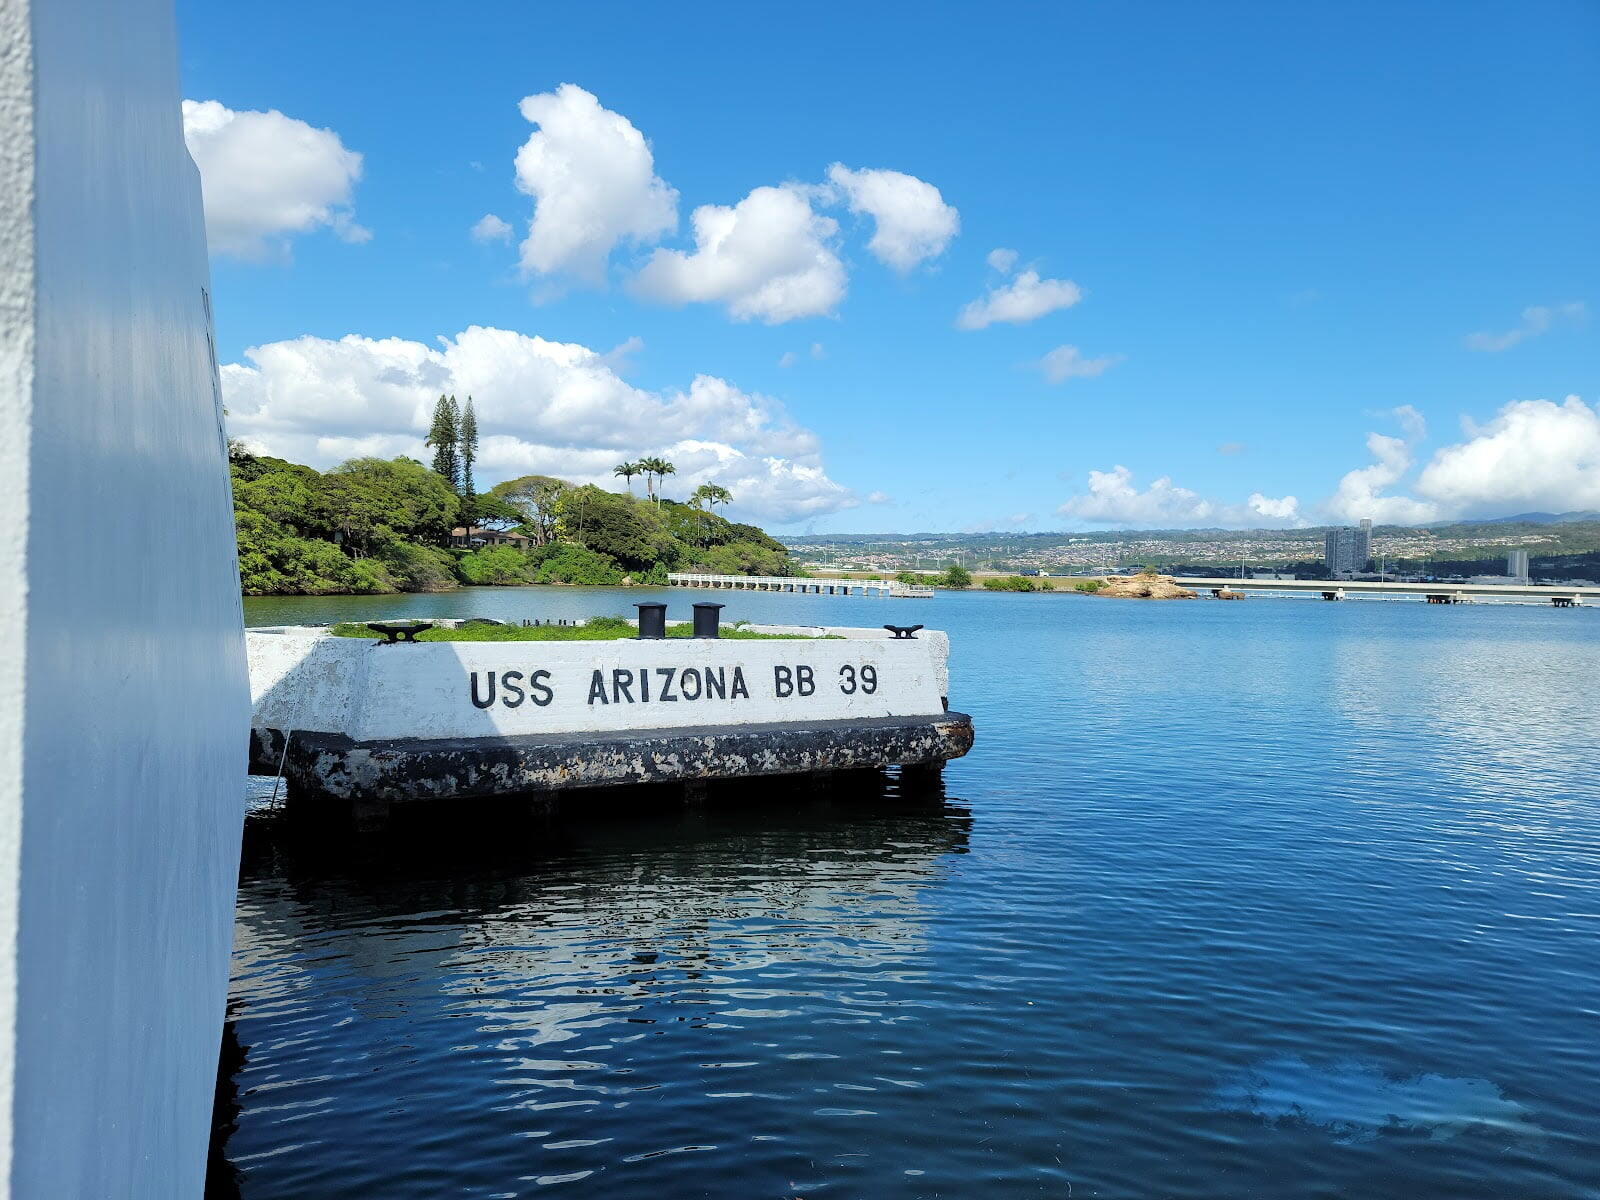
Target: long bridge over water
[(790, 583), (1560, 595)]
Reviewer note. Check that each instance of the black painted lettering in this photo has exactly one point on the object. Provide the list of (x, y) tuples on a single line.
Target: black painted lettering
[(644, 684), (487, 700), (685, 677), (622, 685), (538, 690), (717, 683), (597, 688), (804, 681), (511, 685), (869, 679), (782, 682), (847, 679), (666, 674), (740, 688)]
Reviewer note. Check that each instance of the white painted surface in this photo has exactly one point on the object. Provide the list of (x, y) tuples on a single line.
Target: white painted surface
[(303, 680), (123, 687), (16, 413)]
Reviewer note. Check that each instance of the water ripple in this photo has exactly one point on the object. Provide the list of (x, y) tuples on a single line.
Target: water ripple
[(1274, 899)]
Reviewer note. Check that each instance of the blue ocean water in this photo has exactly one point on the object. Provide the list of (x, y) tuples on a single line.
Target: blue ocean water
[(1277, 898)]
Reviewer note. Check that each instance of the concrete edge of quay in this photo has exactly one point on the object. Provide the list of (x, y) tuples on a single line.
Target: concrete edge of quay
[(330, 771)]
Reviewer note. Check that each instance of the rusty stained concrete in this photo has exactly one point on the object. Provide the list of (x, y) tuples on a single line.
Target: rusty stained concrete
[(322, 766)]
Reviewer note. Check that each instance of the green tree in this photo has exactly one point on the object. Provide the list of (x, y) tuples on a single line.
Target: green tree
[(692, 526), (291, 498), (538, 499), (1012, 583), (467, 450), (617, 525), (564, 563), (663, 469), (400, 495), (710, 495), (740, 558), (655, 470), (495, 565), (957, 577), (444, 436), (490, 511)]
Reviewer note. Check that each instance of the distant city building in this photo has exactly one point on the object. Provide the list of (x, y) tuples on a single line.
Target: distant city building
[(1517, 564), (1347, 551)]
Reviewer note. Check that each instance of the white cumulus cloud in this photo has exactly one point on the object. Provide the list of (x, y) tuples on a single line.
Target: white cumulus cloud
[(267, 177), (1535, 455), (769, 258), (1362, 492), (1026, 297), (592, 178), (1068, 362), (1284, 508), (912, 221), (1113, 499), (490, 228), (1001, 259), (550, 407), (1535, 321)]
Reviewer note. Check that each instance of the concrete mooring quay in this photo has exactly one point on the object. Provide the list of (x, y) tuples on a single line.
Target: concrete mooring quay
[(348, 721)]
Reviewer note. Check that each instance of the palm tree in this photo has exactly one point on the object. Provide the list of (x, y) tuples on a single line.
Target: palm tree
[(647, 468), (628, 470), (663, 469), (711, 495), (655, 469)]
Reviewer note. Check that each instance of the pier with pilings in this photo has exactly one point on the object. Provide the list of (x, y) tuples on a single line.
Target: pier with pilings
[(797, 585), (1562, 595)]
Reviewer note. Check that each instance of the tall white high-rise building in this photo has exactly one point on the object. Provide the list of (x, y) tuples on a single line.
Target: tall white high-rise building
[(1348, 550), (1517, 565)]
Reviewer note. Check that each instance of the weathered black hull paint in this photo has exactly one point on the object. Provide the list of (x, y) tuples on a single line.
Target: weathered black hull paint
[(403, 770)]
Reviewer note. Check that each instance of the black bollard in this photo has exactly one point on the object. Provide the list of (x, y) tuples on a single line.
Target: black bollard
[(707, 618), (652, 621)]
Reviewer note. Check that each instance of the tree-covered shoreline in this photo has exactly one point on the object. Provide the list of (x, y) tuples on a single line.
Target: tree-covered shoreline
[(373, 526)]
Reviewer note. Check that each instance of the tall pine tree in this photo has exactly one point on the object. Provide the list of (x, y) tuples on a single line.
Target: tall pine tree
[(444, 435), (467, 450)]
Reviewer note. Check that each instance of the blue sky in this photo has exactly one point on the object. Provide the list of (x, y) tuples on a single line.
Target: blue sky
[(1286, 222)]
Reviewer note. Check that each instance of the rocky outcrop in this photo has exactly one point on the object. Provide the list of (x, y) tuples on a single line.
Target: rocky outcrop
[(1143, 587)]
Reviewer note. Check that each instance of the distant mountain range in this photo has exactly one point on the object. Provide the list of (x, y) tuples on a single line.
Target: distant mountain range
[(1539, 518)]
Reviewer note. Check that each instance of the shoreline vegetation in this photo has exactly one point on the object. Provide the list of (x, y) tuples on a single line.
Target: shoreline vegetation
[(1148, 584), (373, 526)]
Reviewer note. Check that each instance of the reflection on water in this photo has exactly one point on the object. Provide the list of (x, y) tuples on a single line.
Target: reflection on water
[(607, 957), (1355, 1101), (1279, 898)]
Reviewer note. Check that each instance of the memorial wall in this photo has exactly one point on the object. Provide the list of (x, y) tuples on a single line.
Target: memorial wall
[(123, 694)]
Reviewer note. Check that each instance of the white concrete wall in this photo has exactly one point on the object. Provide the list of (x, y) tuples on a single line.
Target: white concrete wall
[(123, 687), (301, 680)]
